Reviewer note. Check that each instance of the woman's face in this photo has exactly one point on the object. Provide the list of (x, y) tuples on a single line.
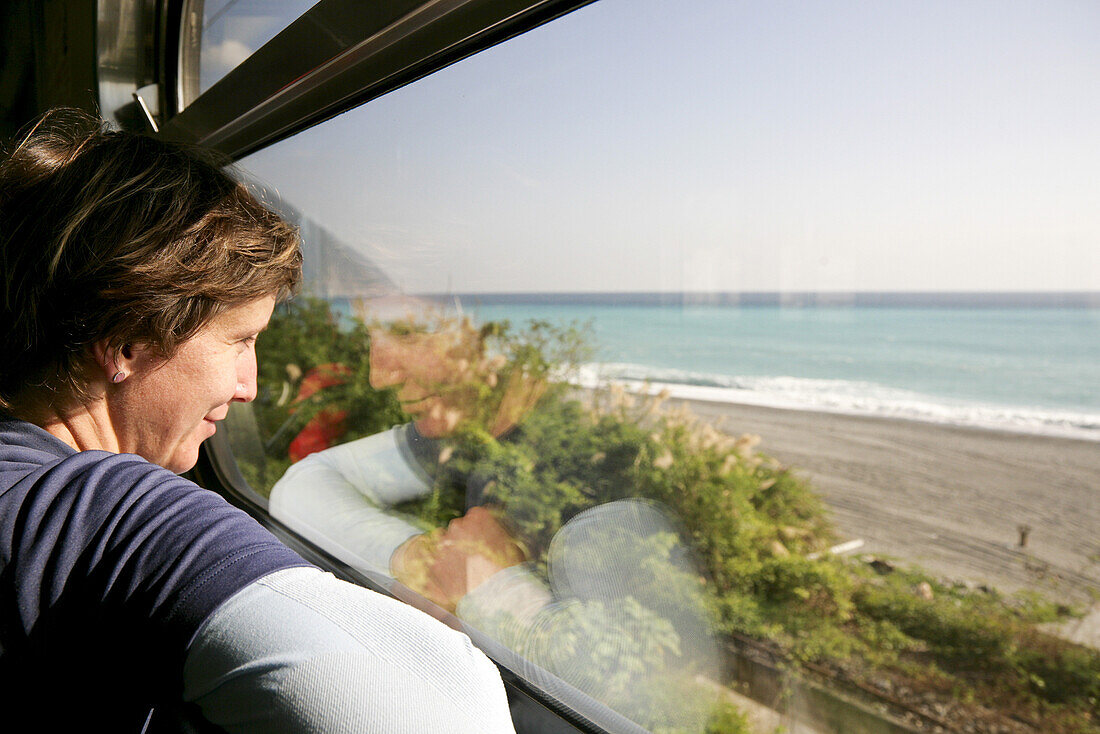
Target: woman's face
[(164, 409)]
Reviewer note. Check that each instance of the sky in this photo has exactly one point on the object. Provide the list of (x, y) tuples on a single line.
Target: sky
[(714, 145)]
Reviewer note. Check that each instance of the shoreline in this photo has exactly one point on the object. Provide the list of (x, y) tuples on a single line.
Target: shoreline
[(948, 498), (933, 413), (1002, 431)]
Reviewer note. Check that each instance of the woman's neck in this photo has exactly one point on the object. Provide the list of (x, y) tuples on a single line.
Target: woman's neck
[(82, 426)]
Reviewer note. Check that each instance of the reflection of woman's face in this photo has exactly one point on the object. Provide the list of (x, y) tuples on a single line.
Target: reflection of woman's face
[(166, 408), (422, 367), (438, 376)]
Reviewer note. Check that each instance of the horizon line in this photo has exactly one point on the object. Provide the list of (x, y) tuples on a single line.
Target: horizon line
[(1069, 299)]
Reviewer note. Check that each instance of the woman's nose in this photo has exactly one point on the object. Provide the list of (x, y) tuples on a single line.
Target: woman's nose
[(246, 379), (246, 391)]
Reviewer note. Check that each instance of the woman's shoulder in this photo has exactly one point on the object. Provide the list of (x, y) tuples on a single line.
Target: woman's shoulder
[(43, 465), (110, 524), (27, 448)]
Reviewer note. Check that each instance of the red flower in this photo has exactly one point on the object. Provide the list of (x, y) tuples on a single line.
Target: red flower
[(322, 376), (325, 428)]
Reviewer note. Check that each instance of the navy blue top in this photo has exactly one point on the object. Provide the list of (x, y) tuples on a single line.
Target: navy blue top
[(108, 565)]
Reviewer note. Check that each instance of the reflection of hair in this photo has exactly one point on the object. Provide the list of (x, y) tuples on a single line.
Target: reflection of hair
[(108, 235)]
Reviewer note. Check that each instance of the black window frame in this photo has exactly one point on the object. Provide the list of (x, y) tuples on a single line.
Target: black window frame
[(336, 56)]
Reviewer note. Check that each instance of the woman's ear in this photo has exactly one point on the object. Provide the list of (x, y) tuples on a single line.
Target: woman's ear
[(114, 363)]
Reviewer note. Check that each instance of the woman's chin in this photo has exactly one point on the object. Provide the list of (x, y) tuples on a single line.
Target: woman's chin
[(186, 454), (181, 462)]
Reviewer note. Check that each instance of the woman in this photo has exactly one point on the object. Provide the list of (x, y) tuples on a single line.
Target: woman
[(136, 278)]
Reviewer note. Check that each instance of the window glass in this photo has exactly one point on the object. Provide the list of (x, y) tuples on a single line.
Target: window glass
[(673, 348), (231, 31)]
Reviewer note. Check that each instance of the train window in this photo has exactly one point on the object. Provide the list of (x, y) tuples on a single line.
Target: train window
[(673, 348), (227, 32)]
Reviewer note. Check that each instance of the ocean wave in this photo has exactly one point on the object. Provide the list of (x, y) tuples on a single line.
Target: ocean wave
[(840, 396)]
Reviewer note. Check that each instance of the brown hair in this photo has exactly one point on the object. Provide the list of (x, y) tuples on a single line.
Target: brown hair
[(108, 235)]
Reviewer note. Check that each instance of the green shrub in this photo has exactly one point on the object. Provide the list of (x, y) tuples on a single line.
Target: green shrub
[(728, 719), (1058, 671), (954, 632)]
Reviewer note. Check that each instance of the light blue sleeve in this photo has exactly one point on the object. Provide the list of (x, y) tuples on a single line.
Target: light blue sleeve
[(300, 651), (337, 499)]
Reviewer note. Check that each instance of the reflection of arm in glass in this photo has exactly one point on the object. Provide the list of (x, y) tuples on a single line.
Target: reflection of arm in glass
[(338, 497)]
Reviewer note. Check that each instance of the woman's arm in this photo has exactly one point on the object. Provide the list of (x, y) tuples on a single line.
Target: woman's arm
[(301, 651)]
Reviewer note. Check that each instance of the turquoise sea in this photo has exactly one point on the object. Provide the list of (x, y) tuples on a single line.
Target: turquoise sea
[(1034, 370)]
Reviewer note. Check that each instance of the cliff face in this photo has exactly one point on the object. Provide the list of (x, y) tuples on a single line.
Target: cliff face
[(331, 268)]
